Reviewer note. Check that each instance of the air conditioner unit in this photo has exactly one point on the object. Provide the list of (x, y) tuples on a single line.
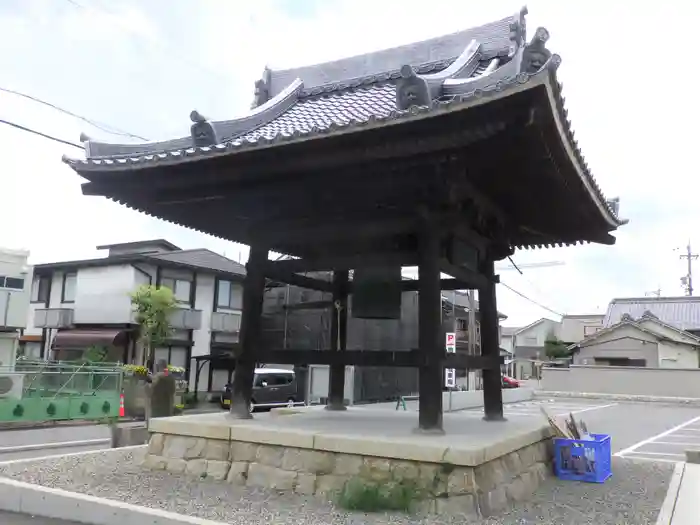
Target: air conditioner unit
[(11, 386)]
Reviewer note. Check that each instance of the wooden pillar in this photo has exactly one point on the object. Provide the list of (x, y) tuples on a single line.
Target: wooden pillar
[(490, 347), (339, 336), (430, 337), (251, 331)]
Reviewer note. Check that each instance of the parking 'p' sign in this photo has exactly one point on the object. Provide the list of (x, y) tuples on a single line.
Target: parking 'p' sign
[(450, 341)]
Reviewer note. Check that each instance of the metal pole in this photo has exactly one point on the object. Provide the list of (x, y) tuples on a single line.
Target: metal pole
[(454, 329), (471, 328), (7, 309)]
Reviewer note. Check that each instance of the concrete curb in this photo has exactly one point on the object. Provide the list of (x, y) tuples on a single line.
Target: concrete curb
[(687, 401), (669, 504), (25, 498), (50, 446)]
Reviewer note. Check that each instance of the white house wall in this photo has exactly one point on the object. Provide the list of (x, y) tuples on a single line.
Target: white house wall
[(507, 342), (103, 294), (677, 356), (537, 334), (628, 346), (576, 328), (204, 301)]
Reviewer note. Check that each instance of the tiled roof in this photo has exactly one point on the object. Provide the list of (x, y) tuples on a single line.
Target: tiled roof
[(681, 312), (429, 55), (447, 74), (203, 258)]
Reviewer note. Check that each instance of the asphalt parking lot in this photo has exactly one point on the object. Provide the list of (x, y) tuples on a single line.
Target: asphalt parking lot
[(638, 431)]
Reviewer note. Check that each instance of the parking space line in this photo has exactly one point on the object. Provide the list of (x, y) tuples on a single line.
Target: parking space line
[(678, 443), (654, 460), (657, 454), (634, 447), (598, 407)]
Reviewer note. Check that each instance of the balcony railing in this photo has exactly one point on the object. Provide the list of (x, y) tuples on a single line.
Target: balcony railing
[(226, 322), (53, 318), (185, 319)]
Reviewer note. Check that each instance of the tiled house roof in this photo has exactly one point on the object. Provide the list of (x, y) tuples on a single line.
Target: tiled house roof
[(681, 312)]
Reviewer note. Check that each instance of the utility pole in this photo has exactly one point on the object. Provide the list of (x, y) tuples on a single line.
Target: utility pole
[(688, 279)]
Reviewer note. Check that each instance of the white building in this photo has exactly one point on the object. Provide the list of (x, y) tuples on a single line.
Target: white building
[(76, 305), (15, 283)]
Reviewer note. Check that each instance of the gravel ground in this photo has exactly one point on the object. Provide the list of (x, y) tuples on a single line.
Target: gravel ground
[(633, 496)]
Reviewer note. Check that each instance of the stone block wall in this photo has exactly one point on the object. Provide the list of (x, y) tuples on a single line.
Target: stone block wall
[(480, 490)]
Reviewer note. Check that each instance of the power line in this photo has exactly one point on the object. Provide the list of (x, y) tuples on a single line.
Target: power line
[(39, 133), (516, 292), (537, 288), (99, 125)]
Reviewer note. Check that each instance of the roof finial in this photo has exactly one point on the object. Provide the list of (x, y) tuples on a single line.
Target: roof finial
[(518, 29), (411, 90), (202, 131)]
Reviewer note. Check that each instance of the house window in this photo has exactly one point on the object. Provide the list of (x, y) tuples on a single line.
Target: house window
[(181, 288), (12, 283), (40, 289), (531, 341), (590, 330), (68, 290), (227, 296)]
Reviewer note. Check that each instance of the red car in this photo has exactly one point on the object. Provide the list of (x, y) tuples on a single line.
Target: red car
[(509, 382)]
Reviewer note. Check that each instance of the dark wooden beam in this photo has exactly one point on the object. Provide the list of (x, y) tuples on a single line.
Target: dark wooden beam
[(339, 336), (490, 345), (341, 262), (407, 359), (320, 231), (411, 285), (251, 332), (431, 376), (462, 274), (275, 273)]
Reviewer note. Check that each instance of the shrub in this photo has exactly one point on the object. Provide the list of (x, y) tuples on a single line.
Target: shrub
[(368, 496)]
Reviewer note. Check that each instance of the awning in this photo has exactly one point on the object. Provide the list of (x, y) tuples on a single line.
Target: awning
[(74, 339)]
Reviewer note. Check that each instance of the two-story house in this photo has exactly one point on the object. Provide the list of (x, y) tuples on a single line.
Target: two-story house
[(76, 305), (15, 284), (528, 345)]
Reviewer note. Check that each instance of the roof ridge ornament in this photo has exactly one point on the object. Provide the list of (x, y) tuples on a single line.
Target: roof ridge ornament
[(536, 54), (411, 90), (262, 89), (202, 131)]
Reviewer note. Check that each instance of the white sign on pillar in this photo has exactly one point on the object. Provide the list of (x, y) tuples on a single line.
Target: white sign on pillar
[(450, 348)]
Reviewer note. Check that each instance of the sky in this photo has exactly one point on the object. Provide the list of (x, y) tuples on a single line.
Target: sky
[(141, 67)]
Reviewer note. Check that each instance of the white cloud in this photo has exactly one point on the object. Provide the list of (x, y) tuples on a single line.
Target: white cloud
[(628, 83)]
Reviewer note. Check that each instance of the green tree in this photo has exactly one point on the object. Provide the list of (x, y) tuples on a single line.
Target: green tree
[(554, 348), (153, 307)]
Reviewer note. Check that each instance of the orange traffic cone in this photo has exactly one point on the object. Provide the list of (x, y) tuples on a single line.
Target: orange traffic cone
[(121, 405)]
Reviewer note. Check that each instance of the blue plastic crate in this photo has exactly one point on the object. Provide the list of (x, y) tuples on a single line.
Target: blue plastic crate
[(580, 460)]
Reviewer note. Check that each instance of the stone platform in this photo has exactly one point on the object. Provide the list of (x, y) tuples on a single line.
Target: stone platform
[(476, 467)]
